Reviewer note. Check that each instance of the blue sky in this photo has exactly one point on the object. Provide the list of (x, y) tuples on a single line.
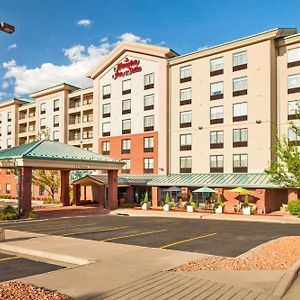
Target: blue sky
[(59, 40)]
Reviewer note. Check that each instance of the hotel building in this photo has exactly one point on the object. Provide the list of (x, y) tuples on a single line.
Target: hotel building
[(213, 111)]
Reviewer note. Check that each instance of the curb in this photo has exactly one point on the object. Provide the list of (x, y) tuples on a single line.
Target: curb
[(46, 255), (287, 280)]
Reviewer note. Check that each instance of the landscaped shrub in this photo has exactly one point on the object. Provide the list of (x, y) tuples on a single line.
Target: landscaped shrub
[(51, 201), (9, 213), (31, 214), (294, 207)]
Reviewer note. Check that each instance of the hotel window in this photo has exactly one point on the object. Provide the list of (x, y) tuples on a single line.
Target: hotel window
[(126, 106), (185, 74), (216, 90), (293, 109), (149, 123), (56, 121), (106, 110), (0, 118), (106, 91), (56, 105), (148, 144), (106, 129), (216, 66), (8, 188), (185, 164), (77, 119), (77, 135), (216, 114), (185, 141), (106, 147), (294, 57), (148, 165), (239, 61), (186, 96), (240, 112), (240, 137), (216, 139), (43, 108), (293, 137), (87, 117), (126, 87), (216, 163), (125, 146), (8, 143), (126, 126), (43, 123), (8, 172), (56, 135), (126, 167), (293, 83), (9, 116), (149, 81), (240, 163), (240, 86), (149, 102), (8, 129), (185, 119)]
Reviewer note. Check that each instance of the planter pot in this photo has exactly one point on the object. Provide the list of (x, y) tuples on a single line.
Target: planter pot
[(166, 207), (145, 206), (247, 210), (189, 208), (219, 209)]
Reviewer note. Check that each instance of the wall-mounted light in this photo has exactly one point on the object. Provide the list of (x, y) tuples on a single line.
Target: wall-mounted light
[(200, 127), (161, 169), (258, 121)]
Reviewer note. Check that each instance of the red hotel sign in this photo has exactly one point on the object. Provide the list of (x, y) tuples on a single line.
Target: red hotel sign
[(127, 67)]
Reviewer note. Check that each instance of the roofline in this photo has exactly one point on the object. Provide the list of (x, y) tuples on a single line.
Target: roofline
[(289, 40), (53, 89), (79, 90), (13, 101)]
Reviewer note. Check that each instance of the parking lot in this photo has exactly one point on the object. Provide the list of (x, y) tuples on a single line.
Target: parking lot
[(226, 238)]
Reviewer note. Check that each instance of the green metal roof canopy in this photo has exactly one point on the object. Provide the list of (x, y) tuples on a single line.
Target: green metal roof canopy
[(55, 155)]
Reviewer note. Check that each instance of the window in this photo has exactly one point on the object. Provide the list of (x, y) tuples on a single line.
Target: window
[(87, 134), (240, 137), (294, 84), (216, 66), (126, 106), (126, 126), (125, 146), (41, 190), (149, 123), (216, 139), (149, 102), (8, 143), (8, 188), (148, 144), (216, 114), (239, 61), (0, 118), (185, 96), (216, 90), (185, 74), (126, 87), (149, 81), (148, 165), (56, 135), (240, 86), (106, 110), (185, 119), (9, 114), (293, 137), (87, 117), (216, 163), (56, 120), (293, 57), (293, 108), (185, 141), (240, 112), (105, 147), (185, 164), (240, 163), (8, 129), (106, 91), (43, 123), (7, 172), (126, 167), (106, 129), (77, 136), (43, 108), (56, 105)]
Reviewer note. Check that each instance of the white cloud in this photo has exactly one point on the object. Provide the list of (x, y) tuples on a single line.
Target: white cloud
[(84, 22), (5, 85), (130, 37), (80, 60), (12, 46)]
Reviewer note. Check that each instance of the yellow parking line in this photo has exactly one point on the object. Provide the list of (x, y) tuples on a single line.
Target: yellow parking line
[(187, 240), (9, 258), (63, 227), (93, 231), (131, 235)]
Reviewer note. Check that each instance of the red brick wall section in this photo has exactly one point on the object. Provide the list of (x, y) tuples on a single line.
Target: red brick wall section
[(275, 198)]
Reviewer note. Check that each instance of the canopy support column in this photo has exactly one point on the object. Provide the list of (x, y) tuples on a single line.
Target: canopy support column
[(65, 187), (112, 189), (76, 194), (155, 194), (26, 183)]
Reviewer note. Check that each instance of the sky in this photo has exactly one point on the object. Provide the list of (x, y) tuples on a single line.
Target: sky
[(61, 40)]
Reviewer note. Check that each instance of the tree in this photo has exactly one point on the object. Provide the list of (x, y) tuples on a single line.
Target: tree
[(49, 180)]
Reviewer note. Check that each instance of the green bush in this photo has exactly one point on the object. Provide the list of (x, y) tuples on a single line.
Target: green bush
[(31, 214), (146, 200), (51, 201), (294, 207), (169, 200), (5, 196), (192, 202), (9, 213)]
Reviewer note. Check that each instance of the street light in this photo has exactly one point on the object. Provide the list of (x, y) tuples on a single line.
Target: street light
[(7, 27)]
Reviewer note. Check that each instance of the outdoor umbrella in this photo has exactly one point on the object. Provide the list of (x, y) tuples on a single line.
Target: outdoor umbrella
[(240, 190), (204, 189)]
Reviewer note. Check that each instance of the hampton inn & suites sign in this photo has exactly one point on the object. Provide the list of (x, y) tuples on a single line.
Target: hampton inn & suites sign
[(126, 68)]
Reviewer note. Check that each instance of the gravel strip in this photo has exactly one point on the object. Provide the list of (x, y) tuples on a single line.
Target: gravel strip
[(281, 253), (14, 290)]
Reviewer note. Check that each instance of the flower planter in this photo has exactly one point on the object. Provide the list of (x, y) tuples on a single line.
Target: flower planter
[(166, 207), (219, 209), (246, 210), (145, 206), (189, 208)]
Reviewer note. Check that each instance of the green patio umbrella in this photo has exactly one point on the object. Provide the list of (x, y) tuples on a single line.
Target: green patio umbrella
[(204, 189), (240, 190)]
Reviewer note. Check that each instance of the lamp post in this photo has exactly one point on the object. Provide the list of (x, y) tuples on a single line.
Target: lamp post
[(7, 27)]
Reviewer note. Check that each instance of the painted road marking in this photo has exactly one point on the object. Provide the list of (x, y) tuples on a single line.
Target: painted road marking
[(19, 224), (187, 240), (131, 235), (63, 227), (9, 258), (93, 231)]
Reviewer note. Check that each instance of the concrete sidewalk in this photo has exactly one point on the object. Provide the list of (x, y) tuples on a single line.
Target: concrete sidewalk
[(111, 270), (206, 216)]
